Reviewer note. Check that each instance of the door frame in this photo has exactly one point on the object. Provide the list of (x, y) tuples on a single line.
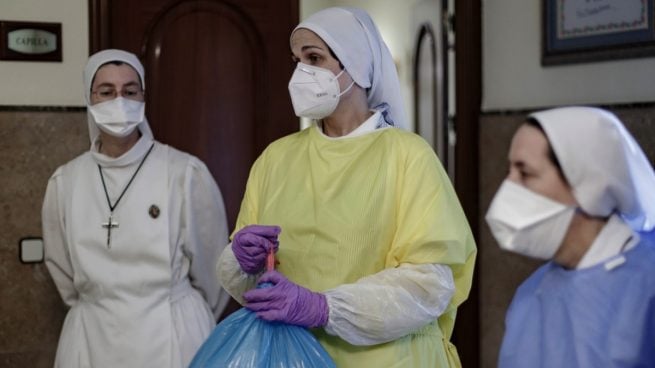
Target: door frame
[(98, 25), (468, 98)]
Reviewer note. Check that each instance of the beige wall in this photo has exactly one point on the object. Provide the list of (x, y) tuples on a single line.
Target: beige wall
[(47, 83), (513, 77)]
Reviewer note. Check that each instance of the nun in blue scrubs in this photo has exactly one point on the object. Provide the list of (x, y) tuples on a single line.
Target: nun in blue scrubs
[(580, 193)]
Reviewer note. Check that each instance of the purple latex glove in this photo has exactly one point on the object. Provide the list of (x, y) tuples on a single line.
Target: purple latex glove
[(287, 302), (251, 245)]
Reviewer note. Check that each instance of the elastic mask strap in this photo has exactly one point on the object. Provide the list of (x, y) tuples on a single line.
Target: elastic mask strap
[(349, 87)]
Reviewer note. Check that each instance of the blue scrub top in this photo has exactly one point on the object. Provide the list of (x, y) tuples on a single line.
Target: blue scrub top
[(591, 317)]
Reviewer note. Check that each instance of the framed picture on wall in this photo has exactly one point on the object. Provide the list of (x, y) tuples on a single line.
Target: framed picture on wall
[(576, 31)]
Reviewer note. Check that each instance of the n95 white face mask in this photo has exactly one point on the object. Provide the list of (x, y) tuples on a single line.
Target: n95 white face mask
[(315, 91), (118, 117), (528, 223)]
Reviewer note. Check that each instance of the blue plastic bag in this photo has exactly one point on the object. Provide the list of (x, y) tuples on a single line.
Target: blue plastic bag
[(244, 341)]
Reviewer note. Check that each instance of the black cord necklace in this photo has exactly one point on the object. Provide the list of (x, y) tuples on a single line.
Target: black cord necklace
[(110, 224)]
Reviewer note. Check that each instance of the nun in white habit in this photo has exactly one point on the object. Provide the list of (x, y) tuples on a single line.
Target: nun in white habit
[(132, 229), (581, 194)]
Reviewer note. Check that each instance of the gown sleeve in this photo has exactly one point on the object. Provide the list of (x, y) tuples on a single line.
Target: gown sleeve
[(206, 232), (57, 257), (234, 280), (397, 301)]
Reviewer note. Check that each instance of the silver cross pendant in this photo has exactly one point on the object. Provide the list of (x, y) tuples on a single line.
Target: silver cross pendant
[(110, 224)]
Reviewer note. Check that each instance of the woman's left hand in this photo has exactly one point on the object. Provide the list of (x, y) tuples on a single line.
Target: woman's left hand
[(287, 302)]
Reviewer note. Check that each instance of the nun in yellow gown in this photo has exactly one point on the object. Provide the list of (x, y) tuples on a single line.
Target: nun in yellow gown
[(369, 220)]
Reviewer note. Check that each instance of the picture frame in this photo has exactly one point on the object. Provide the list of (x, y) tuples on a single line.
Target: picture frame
[(577, 31)]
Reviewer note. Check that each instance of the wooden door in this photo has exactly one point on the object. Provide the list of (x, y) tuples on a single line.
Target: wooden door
[(216, 76)]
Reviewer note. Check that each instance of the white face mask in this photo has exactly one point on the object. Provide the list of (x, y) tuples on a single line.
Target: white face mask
[(315, 91), (527, 223), (118, 117)]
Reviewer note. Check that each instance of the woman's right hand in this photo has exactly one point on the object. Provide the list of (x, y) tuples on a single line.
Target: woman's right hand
[(252, 244)]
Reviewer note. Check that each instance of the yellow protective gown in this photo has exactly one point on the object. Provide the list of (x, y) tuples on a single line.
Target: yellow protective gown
[(352, 207)]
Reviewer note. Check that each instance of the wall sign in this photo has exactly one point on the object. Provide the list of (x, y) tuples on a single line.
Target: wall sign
[(30, 41)]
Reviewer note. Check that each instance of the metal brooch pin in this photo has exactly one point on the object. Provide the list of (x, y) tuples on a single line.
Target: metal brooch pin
[(154, 211)]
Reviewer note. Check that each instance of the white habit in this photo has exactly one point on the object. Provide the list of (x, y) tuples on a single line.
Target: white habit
[(151, 297)]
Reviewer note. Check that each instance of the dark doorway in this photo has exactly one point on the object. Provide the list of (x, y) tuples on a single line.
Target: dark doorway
[(216, 76)]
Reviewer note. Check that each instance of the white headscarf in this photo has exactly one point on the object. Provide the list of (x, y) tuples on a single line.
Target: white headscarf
[(605, 167), (92, 65), (356, 41)]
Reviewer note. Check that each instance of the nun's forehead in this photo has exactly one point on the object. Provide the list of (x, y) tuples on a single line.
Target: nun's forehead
[(339, 29), (117, 63), (306, 37)]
